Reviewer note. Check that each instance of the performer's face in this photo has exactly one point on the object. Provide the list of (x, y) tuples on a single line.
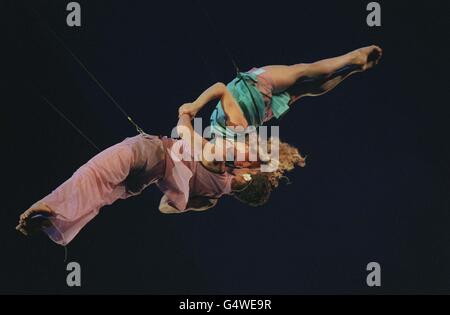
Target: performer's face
[(248, 164)]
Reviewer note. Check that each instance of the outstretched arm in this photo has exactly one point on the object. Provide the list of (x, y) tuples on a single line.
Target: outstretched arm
[(216, 91), (233, 112), (186, 132), (207, 153)]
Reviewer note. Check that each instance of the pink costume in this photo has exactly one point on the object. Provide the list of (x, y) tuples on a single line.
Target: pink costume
[(125, 170)]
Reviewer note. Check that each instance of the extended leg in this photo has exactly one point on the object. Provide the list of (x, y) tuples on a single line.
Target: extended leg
[(99, 182), (317, 86), (326, 73)]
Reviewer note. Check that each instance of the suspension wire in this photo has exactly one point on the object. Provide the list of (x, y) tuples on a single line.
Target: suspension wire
[(217, 32), (63, 116), (228, 51), (212, 74), (89, 73)]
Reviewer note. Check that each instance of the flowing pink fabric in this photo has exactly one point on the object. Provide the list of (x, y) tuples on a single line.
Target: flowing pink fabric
[(125, 170), (183, 179)]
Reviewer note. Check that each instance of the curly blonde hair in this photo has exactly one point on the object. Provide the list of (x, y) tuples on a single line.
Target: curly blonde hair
[(258, 192), (289, 158)]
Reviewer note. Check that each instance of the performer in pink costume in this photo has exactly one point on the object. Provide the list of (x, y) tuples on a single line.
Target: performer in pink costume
[(127, 168)]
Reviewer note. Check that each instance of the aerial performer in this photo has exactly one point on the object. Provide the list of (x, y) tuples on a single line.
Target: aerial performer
[(127, 168), (256, 96)]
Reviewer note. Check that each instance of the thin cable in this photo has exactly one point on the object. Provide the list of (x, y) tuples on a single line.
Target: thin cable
[(215, 30), (66, 253), (228, 52), (90, 74), (211, 74), (60, 113)]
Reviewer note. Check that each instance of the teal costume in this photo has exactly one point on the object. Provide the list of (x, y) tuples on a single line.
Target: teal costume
[(251, 101)]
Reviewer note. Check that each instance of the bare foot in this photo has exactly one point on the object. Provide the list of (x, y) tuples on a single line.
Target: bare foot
[(27, 228), (367, 57)]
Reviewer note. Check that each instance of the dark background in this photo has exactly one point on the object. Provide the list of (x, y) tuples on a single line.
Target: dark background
[(376, 186)]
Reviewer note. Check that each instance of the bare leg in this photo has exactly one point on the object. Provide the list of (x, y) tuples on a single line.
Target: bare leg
[(320, 85), (324, 72)]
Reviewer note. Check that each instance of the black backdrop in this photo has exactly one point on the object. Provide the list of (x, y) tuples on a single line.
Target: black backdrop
[(376, 186)]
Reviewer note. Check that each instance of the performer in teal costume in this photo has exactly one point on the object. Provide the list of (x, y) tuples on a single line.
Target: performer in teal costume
[(256, 96)]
